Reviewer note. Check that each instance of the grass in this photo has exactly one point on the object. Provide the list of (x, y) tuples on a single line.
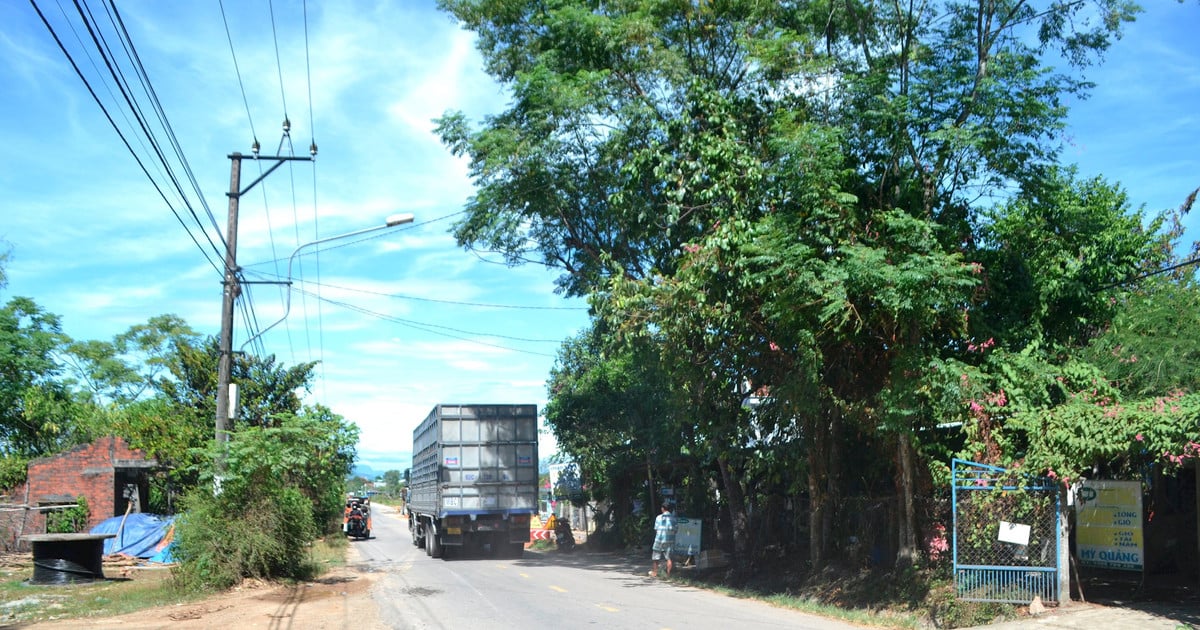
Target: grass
[(144, 588), (127, 589), (906, 599)]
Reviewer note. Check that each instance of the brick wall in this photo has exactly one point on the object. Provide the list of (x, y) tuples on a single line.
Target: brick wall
[(87, 471)]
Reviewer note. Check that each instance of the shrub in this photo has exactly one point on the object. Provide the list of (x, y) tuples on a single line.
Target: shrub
[(281, 488), (220, 540), (13, 470), (68, 520)]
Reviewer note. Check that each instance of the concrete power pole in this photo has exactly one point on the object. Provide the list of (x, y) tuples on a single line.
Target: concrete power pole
[(232, 289), (228, 297)]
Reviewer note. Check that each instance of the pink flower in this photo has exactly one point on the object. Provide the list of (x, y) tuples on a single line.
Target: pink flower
[(1138, 437)]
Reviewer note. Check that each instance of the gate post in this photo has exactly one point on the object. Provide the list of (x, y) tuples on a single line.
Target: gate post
[(1064, 546)]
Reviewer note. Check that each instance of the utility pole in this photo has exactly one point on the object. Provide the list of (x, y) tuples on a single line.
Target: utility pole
[(229, 295), (232, 289)]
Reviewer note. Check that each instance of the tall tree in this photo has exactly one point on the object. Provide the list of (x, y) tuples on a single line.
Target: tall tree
[(783, 194), (34, 405), (267, 388), (610, 408), (129, 367)]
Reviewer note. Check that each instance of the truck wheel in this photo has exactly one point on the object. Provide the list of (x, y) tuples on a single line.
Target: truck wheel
[(434, 543), (417, 541)]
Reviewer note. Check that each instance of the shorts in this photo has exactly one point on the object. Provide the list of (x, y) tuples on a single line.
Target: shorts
[(661, 554)]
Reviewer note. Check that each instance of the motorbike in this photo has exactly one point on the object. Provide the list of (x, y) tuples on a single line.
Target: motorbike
[(564, 538), (357, 522)]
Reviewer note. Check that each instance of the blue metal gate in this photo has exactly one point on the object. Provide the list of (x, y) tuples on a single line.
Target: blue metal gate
[(1006, 535)]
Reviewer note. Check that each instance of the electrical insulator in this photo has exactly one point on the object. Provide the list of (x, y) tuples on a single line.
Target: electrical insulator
[(287, 125), (312, 148), (255, 147)]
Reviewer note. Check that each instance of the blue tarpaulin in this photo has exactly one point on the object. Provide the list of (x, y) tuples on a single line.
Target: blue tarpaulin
[(146, 536)]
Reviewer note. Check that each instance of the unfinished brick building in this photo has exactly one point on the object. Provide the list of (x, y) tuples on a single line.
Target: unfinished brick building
[(107, 473)]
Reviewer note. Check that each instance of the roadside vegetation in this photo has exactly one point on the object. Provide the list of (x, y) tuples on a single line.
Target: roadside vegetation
[(282, 474), (829, 247)]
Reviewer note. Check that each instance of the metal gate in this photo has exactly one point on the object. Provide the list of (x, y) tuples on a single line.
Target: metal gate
[(1006, 535)]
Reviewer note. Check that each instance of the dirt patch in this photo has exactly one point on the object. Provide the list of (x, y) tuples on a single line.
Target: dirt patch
[(340, 598)]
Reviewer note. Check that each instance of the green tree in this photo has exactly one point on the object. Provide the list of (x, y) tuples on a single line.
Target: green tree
[(610, 408), (35, 407), (785, 196), (132, 365), (266, 387)]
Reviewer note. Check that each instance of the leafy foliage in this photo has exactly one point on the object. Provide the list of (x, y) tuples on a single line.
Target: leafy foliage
[(219, 541), (32, 400), (267, 388), (808, 230), (282, 487), (69, 520)]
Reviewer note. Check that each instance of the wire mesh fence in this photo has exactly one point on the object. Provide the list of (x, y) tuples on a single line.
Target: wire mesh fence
[(1005, 535)]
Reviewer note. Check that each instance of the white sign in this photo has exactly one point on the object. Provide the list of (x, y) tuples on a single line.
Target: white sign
[(687, 536), (1014, 533)]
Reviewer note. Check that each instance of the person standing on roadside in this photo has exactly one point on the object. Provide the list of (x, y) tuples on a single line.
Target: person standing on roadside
[(665, 527)]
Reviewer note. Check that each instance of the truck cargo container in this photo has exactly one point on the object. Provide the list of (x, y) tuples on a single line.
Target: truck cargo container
[(473, 483)]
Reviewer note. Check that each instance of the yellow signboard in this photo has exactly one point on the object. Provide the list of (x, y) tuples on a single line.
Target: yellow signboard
[(1109, 523)]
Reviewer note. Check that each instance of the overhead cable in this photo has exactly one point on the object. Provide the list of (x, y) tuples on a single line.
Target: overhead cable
[(122, 136)]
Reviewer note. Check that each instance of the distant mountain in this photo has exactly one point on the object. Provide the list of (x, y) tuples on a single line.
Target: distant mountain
[(366, 472)]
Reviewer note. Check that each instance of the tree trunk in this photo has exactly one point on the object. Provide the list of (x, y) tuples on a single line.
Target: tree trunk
[(907, 552), (652, 501), (818, 440), (833, 474), (738, 518)]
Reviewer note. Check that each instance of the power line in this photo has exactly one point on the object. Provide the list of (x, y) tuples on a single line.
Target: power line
[(278, 62), (1190, 261), (312, 148), (165, 122), (431, 328), (414, 298), (237, 70), (124, 140)]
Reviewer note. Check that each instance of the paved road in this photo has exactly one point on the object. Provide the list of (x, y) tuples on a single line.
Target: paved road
[(553, 590), (549, 589)]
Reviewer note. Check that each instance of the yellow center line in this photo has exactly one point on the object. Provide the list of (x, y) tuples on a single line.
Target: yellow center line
[(607, 608), (558, 588), (524, 575)]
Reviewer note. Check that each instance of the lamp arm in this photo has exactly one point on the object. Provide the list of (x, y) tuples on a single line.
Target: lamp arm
[(392, 221)]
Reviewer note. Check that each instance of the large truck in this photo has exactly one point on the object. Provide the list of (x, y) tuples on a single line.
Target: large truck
[(472, 487)]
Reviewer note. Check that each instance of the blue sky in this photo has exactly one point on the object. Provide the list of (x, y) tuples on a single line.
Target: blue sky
[(408, 319)]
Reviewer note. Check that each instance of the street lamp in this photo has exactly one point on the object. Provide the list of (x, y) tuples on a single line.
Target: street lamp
[(391, 221), (225, 367)]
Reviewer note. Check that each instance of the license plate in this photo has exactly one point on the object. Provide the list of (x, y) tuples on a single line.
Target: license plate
[(453, 531)]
